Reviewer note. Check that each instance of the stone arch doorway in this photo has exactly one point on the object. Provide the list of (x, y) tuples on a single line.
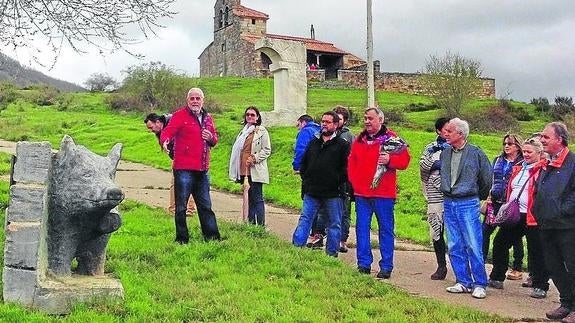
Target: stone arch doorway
[(290, 83)]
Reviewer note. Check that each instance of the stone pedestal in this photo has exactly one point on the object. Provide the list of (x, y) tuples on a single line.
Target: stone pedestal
[(25, 275)]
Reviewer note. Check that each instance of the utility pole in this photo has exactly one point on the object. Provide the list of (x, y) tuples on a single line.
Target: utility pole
[(370, 82)]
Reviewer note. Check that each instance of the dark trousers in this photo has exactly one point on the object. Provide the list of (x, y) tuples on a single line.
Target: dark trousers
[(439, 247), (320, 219), (256, 209), (559, 251), (505, 238), (537, 269), (196, 183), (518, 252)]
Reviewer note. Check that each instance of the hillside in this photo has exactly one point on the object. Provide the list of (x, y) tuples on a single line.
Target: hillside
[(11, 70)]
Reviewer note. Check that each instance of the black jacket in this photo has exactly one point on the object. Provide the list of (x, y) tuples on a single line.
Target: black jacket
[(554, 205), (324, 167)]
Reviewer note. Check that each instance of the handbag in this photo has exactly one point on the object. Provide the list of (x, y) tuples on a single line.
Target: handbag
[(509, 214), (489, 214)]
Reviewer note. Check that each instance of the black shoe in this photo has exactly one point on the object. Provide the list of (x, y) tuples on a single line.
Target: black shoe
[(440, 273), (343, 247), (384, 274), (558, 313), (316, 241), (497, 284), (181, 241), (364, 270)]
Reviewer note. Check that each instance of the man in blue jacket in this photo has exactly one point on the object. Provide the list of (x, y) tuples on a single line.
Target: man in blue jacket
[(554, 210), (307, 130)]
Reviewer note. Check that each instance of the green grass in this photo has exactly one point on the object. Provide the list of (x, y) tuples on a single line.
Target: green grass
[(250, 276)]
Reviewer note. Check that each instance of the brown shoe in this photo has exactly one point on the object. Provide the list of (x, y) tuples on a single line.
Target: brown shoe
[(440, 273), (559, 313), (515, 275), (569, 318)]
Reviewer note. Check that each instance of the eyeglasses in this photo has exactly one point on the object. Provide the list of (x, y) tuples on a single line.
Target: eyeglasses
[(195, 98), (251, 115)]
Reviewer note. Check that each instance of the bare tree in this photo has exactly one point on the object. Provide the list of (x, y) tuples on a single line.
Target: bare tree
[(452, 80), (79, 22), (101, 82)]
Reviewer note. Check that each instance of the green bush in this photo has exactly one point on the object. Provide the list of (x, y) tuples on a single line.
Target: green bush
[(8, 94), (494, 119)]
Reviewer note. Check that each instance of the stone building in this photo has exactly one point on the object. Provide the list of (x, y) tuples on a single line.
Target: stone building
[(238, 28)]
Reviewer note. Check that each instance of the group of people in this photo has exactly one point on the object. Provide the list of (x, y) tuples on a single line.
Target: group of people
[(336, 168), (540, 174)]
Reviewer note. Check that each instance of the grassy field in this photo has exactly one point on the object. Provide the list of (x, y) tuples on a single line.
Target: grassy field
[(251, 276)]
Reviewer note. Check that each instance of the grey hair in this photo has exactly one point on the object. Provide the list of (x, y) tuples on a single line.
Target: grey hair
[(462, 126), (195, 89), (561, 131), (377, 111)]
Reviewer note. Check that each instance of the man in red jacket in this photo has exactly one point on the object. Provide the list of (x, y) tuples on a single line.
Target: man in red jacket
[(375, 156), (193, 131)]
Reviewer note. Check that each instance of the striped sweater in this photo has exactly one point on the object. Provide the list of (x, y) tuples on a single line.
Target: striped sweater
[(430, 177)]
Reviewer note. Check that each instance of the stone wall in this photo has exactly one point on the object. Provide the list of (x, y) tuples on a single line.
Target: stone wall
[(402, 82), (315, 75)]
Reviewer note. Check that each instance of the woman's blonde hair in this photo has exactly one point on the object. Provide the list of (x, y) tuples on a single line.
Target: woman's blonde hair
[(535, 143)]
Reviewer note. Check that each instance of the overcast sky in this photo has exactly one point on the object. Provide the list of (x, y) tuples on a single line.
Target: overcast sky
[(523, 44)]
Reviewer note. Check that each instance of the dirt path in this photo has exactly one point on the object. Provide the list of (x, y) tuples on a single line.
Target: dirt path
[(413, 263)]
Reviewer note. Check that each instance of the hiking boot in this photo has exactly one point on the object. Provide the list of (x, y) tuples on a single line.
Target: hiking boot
[(479, 292), (515, 274), (384, 274), (558, 313), (316, 241), (458, 289), (497, 284), (440, 273), (569, 318), (343, 247), (528, 282), (364, 270), (538, 293)]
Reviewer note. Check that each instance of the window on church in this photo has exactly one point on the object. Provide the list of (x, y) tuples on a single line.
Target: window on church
[(223, 47), (253, 21), (226, 15), (221, 19)]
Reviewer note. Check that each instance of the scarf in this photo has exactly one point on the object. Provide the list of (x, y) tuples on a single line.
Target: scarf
[(234, 169)]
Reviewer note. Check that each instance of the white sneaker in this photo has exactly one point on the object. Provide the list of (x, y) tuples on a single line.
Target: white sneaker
[(458, 289), (479, 292)]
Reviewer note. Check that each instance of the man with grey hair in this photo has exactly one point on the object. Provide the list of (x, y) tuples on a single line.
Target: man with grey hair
[(194, 131), (554, 210), (465, 180)]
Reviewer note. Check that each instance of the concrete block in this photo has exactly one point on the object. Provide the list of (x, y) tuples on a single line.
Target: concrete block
[(26, 203), (19, 285), (21, 245), (33, 160)]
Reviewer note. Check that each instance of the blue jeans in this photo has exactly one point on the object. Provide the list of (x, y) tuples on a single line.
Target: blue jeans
[(256, 210), (196, 183), (333, 212), (383, 209), (465, 238)]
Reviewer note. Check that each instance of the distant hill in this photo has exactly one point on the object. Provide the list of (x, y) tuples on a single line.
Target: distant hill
[(11, 70)]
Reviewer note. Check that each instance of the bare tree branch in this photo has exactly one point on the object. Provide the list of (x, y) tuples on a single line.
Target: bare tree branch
[(77, 23)]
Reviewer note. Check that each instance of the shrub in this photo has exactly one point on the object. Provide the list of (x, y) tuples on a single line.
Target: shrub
[(394, 116), (494, 119), (518, 113), (541, 104), (127, 102), (563, 107), (420, 107), (8, 93)]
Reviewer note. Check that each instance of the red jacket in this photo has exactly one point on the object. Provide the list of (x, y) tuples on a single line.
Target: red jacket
[(191, 152), (362, 164), (530, 188)]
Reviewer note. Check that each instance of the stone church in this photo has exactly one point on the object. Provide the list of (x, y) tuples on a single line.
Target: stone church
[(236, 30)]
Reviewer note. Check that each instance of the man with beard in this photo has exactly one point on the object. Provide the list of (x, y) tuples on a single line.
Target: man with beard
[(323, 173)]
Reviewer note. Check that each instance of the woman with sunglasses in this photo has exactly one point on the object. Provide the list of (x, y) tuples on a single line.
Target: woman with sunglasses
[(502, 165), (249, 157), (522, 175)]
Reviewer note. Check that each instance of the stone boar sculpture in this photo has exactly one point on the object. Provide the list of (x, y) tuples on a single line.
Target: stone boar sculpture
[(82, 200)]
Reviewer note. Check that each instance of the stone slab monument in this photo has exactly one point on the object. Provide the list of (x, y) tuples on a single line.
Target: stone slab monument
[(62, 207), (290, 81)]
